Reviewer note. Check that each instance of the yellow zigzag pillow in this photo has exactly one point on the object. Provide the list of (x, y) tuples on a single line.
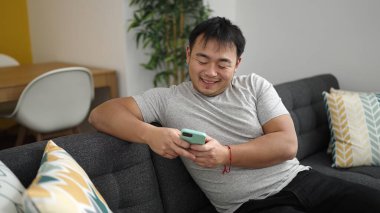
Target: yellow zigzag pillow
[(61, 185), (354, 120)]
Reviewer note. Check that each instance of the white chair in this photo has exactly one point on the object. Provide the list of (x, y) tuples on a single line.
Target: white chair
[(58, 100), (6, 61)]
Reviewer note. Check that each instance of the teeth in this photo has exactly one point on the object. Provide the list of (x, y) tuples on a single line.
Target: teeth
[(208, 82)]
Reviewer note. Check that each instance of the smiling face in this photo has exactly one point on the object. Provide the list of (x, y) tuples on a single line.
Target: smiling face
[(211, 65)]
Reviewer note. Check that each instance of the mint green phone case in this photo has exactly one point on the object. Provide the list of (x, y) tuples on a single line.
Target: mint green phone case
[(193, 136)]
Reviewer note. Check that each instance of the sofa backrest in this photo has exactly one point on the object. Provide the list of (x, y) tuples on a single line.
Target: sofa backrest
[(122, 172), (303, 98)]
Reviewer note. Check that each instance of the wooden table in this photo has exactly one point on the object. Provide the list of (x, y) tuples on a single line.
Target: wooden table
[(14, 79)]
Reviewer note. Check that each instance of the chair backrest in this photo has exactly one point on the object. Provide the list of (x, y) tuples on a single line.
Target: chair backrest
[(6, 61), (56, 100)]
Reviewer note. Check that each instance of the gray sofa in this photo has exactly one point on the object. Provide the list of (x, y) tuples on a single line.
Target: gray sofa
[(131, 178)]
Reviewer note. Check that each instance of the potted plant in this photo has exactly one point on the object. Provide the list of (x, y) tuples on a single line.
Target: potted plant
[(164, 26)]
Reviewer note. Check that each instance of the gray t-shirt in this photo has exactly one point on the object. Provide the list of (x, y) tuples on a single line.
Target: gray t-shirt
[(232, 117)]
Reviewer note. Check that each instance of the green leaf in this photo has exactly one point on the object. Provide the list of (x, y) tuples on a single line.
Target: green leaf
[(159, 30)]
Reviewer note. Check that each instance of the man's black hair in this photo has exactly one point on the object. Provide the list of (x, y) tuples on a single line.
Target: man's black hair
[(220, 29)]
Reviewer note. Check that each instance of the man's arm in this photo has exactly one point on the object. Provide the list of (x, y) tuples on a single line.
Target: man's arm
[(278, 144), (122, 118)]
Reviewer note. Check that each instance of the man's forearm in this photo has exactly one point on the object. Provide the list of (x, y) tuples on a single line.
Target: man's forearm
[(264, 151), (276, 145), (122, 118), (115, 118)]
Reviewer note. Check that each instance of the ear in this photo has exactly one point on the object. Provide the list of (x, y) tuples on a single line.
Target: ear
[(237, 63), (188, 52)]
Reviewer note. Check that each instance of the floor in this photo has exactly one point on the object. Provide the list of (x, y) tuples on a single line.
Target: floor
[(8, 136)]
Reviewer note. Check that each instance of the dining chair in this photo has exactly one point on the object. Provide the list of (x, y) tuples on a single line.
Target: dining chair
[(6, 61), (5, 124), (54, 102)]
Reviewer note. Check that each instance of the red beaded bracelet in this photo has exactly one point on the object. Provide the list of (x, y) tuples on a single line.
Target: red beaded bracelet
[(227, 169)]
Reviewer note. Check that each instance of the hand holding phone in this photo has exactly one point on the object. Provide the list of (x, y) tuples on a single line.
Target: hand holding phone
[(193, 136)]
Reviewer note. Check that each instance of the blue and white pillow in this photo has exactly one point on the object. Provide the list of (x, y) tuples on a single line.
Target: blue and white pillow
[(354, 121)]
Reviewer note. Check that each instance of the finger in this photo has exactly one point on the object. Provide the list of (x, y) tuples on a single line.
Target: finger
[(167, 151), (172, 154), (195, 153), (182, 152), (198, 154), (205, 164), (202, 160), (169, 156), (208, 138), (182, 143), (199, 148)]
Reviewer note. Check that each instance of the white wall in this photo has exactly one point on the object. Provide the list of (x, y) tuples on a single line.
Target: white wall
[(89, 32), (286, 40), (223, 8), (295, 38), (139, 79)]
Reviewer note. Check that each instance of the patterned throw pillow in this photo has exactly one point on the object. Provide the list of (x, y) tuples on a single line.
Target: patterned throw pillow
[(341, 92), (354, 119), (11, 191), (62, 185)]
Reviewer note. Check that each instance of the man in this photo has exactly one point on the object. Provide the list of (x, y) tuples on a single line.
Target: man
[(248, 163)]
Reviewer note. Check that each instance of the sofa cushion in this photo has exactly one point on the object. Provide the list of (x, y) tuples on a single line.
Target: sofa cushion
[(304, 101), (365, 175), (355, 127), (122, 172), (62, 184), (11, 191)]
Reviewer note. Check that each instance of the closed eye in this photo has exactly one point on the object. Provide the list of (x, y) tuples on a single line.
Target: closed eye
[(224, 65), (202, 62), (202, 58)]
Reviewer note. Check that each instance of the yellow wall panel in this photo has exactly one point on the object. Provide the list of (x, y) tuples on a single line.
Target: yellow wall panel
[(14, 30)]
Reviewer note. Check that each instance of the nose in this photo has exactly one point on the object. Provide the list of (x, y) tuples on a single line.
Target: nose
[(211, 70)]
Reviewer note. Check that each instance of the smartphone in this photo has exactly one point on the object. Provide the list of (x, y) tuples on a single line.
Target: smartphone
[(193, 136)]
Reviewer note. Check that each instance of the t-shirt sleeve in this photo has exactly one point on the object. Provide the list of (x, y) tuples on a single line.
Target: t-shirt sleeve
[(152, 104), (269, 104)]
